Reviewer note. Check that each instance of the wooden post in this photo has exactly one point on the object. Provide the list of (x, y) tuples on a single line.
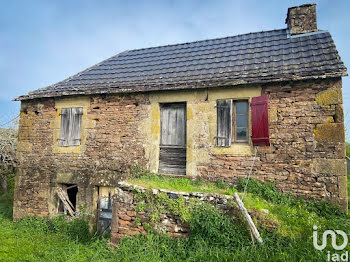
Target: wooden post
[(247, 217)]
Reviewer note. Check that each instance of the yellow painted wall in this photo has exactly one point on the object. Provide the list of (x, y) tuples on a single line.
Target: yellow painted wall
[(201, 124)]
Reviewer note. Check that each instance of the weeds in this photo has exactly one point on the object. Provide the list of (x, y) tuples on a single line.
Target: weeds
[(269, 192), (215, 236)]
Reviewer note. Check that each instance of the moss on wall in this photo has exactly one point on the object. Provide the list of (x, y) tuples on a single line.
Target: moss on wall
[(331, 96)]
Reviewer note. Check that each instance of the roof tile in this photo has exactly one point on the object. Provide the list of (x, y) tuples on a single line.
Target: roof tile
[(249, 58)]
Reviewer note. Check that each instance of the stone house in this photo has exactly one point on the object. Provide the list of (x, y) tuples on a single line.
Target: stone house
[(270, 101)]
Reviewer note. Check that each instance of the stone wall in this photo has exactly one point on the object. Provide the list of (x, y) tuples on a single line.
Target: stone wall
[(127, 220), (307, 152), (111, 143), (306, 156)]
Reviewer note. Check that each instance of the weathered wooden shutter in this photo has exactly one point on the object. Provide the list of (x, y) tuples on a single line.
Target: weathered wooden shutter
[(74, 138), (64, 131), (70, 126), (260, 121), (224, 123)]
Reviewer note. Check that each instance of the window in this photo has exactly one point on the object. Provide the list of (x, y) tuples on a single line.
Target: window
[(240, 121), (70, 126), (232, 122)]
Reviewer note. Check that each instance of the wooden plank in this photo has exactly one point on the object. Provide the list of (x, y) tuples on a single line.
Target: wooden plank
[(75, 126), (172, 161), (65, 200), (69, 187), (173, 124), (247, 217), (64, 130)]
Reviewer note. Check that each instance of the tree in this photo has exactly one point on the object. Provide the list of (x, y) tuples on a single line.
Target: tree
[(8, 146)]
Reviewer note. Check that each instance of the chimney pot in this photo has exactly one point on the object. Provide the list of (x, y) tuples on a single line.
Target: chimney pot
[(302, 19)]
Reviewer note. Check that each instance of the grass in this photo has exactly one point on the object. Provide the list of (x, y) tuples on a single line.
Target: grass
[(182, 184), (215, 237)]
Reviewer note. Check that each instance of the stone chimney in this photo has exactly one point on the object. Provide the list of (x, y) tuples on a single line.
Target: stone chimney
[(302, 19)]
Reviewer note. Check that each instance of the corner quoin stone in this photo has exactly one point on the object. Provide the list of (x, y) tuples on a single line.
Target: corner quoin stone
[(335, 167), (331, 96), (330, 132), (343, 192)]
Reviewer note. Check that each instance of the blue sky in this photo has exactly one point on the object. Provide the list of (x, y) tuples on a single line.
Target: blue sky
[(43, 42)]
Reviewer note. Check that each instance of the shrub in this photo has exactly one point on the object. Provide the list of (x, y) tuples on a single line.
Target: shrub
[(216, 228), (269, 192), (265, 190)]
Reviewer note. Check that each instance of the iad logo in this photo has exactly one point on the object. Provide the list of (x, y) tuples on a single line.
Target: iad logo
[(334, 256)]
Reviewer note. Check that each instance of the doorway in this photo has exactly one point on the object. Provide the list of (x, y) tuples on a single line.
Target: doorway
[(104, 208), (172, 151)]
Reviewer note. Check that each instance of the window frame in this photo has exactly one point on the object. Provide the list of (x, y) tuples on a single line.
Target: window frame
[(234, 120)]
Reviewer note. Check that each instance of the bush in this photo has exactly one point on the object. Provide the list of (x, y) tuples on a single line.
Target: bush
[(269, 192), (212, 225), (265, 190)]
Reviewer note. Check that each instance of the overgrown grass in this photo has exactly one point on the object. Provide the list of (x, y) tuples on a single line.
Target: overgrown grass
[(347, 149), (215, 236), (150, 180)]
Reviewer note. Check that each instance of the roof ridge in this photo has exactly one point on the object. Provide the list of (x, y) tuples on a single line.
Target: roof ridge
[(300, 56), (204, 40), (131, 60), (212, 45)]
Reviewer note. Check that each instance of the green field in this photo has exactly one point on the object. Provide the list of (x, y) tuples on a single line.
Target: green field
[(215, 237)]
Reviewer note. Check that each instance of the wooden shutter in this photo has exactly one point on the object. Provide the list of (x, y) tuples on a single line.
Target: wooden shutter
[(64, 131), (260, 121), (75, 121), (224, 123), (70, 127)]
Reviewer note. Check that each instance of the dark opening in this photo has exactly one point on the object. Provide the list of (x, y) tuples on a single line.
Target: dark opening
[(72, 191)]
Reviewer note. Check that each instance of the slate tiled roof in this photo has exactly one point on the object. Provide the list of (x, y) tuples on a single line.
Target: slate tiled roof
[(250, 58)]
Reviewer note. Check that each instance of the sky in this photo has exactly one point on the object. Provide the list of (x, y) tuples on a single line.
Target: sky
[(43, 42)]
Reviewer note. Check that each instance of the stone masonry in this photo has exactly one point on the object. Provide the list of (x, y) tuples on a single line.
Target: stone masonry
[(112, 144), (125, 214), (307, 152), (306, 156), (302, 19)]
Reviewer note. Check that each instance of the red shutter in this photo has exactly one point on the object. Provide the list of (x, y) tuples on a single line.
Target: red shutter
[(260, 121)]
